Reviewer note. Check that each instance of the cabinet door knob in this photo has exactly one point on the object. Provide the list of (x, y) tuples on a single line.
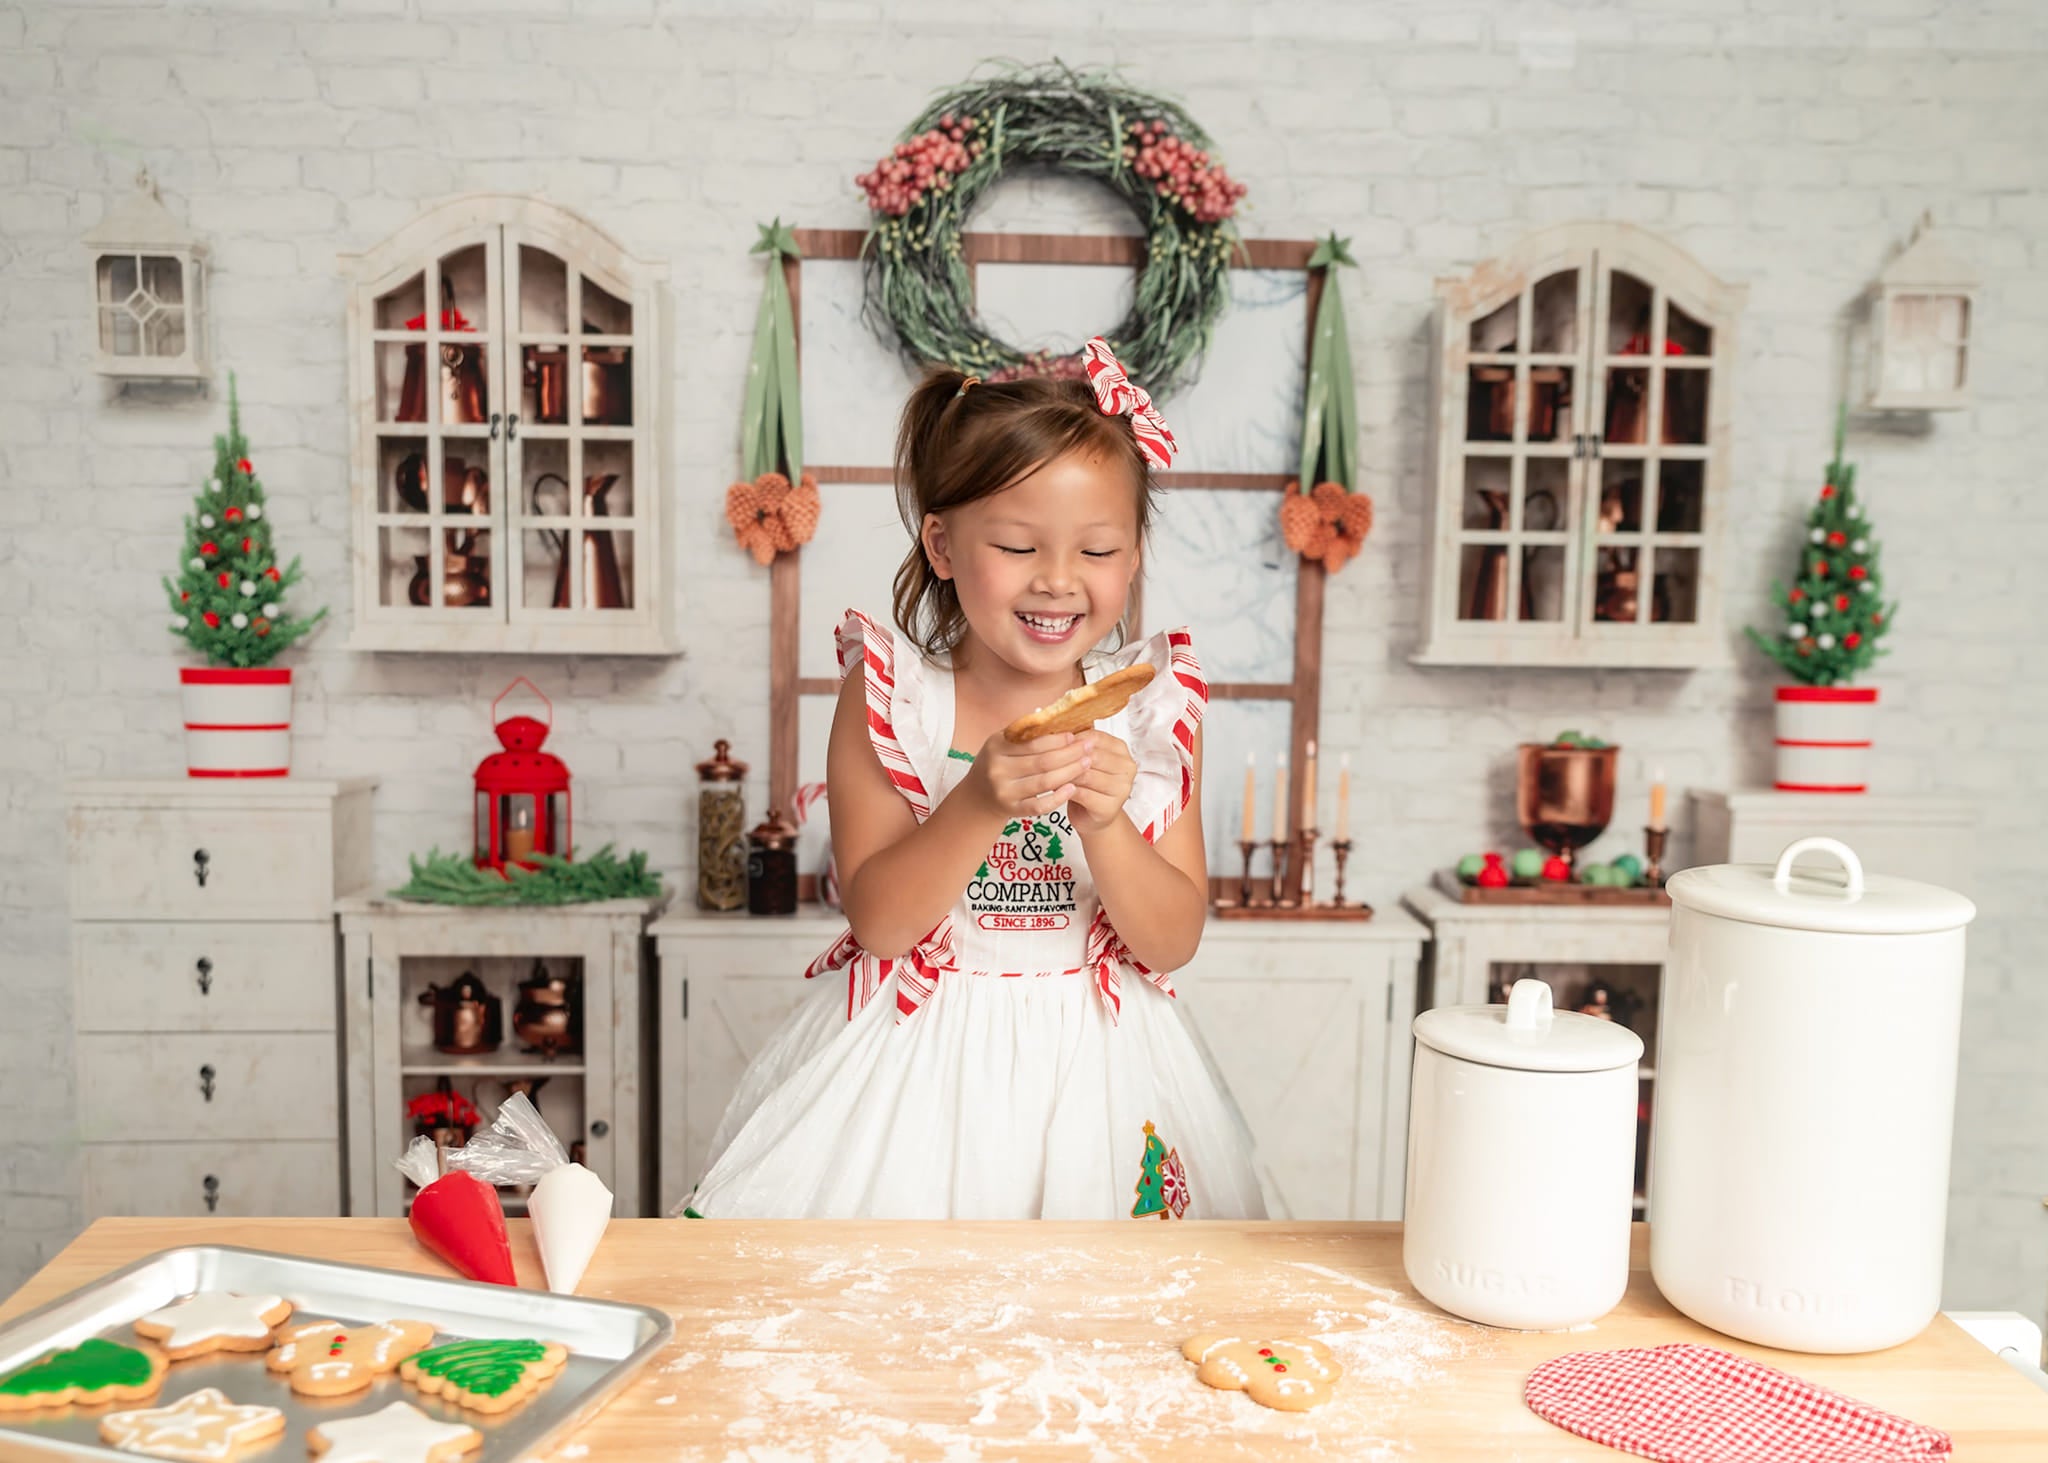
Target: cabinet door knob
[(496, 419), (206, 1082), (599, 1128), (205, 976), (200, 859), (212, 1187), (512, 427)]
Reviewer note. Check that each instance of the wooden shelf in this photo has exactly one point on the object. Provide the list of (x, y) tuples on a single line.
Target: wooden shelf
[(424, 1061)]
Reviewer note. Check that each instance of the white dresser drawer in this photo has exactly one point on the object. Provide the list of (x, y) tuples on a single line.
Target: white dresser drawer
[(201, 863), (183, 1087), (248, 1179), (204, 977)]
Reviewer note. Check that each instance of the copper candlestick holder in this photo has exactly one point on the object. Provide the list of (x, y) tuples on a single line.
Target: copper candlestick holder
[(1342, 848), (1307, 838), (1653, 856), (1247, 847), (1280, 899)]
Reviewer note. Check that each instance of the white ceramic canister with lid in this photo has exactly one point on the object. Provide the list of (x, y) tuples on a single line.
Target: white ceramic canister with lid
[(1806, 1071), (1521, 1162)]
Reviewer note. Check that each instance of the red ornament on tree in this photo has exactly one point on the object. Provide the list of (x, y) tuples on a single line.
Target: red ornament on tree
[(522, 793), (1852, 640), (247, 543), (209, 548), (233, 515), (1796, 596), (1837, 539), (243, 464), (1828, 491), (271, 574), (184, 596), (1820, 568), (1841, 601), (1857, 571), (225, 580), (212, 620)]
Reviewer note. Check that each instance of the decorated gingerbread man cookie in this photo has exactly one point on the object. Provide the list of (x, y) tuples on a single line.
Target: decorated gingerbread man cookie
[(401, 1433), (92, 1372), (1290, 1374), (329, 1359), (203, 1427), (485, 1376), (215, 1320)]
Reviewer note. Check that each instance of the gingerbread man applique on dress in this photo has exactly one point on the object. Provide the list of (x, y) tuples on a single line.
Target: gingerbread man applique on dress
[(330, 1359)]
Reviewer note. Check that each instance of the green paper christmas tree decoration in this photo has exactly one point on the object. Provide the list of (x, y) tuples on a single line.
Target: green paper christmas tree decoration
[(228, 599), (1834, 609), (1151, 1181)]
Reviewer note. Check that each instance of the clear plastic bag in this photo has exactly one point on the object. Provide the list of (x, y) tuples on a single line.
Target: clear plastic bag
[(517, 1148)]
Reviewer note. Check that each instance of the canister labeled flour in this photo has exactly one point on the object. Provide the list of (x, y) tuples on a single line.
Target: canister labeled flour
[(1806, 1072), (1521, 1162)]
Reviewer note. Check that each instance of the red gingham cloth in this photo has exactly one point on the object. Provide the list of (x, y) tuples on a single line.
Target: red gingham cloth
[(1698, 1404)]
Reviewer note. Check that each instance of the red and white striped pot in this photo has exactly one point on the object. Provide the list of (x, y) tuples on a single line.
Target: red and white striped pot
[(1824, 737), (238, 723)]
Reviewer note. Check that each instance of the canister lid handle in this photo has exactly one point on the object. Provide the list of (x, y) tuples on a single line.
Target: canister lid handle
[(1853, 865), (1529, 1005)]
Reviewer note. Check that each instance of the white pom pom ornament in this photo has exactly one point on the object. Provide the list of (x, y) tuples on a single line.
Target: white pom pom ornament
[(1817, 536), (240, 622), (206, 520), (270, 612), (1795, 632), (1826, 642), (248, 588), (255, 511)]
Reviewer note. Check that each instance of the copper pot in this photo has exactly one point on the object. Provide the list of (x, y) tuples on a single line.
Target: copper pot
[(468, 1019), (607, 385), (1564, 796), (549, 1017), (465, 579)]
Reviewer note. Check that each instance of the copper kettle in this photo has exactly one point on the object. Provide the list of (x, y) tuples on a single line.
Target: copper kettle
[(549, 1017), (468, 1019), (465, 575)]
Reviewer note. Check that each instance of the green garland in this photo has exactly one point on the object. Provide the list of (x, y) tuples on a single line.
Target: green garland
[(447, 878), (1145, 149)]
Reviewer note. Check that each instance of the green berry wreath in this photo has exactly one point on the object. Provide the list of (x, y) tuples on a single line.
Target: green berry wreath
[(1144, 148)]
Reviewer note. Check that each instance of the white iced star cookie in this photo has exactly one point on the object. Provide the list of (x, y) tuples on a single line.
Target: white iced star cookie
[(401, 1433), (203, 1427), (215, 1320)]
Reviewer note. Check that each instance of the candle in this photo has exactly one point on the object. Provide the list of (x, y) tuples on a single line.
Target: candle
[(1344, 796), (1280, 799), (1250, 795), (1657, 798), (1308, 788)]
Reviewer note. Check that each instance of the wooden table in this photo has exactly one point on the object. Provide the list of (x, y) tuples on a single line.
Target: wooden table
[(943, 1341)]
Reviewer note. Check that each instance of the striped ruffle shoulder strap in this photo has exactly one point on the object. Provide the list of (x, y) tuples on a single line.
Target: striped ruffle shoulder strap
[(866, 645)]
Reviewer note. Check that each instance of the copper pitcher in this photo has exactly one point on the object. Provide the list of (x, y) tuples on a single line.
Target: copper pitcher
[(464, 489), (462, 374), (1486, 596), (603, 586), (468, 1019), (465, 575)]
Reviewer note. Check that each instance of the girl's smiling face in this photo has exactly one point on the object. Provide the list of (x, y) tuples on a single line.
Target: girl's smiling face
[(1044, 567)]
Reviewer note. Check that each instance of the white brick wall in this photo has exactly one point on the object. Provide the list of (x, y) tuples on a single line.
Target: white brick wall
[(1789, 143)]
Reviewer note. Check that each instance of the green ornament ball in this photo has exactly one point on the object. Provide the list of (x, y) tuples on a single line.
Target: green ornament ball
[(1568, 739), (1630, 865), (1597, 874), (1528, 863), (1470, 865)]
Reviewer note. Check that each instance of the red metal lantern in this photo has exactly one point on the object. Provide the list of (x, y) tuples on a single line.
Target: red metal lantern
[(522, 793)]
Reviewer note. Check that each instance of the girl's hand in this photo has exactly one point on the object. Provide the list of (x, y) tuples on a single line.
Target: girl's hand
[(1027, 778), (1102, 790)]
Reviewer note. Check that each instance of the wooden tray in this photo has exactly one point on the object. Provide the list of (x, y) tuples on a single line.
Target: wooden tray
[(1448, 881), (1350, 910)]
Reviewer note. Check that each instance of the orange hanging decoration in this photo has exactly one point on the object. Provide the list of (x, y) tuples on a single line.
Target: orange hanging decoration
[(771, 516), (1327, 525)]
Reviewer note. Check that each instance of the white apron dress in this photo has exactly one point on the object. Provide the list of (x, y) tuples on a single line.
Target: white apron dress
[(1017, 1063)]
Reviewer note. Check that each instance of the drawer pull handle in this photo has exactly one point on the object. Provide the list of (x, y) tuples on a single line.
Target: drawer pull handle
[(599, 1128), (200, 859), (212, 1187), (206, 1082), (205, 976)]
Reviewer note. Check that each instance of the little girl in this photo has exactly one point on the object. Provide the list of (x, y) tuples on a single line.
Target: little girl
[(998, 1040)]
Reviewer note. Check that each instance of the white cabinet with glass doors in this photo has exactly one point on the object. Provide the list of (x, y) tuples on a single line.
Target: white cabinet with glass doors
[(1580, 455), (506, 477)]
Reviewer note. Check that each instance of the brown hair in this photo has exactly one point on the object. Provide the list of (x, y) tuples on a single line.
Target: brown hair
[(962, 439)]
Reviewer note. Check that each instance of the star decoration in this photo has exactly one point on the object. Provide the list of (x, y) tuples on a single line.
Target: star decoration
[(201, 1426), (776, 239), (401, 1433)]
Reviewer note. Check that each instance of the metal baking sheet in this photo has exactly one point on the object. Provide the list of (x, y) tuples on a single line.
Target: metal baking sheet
[(608, 1343)]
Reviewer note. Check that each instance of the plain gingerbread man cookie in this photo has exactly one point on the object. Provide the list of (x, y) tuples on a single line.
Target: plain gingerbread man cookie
[(1290, 1374)]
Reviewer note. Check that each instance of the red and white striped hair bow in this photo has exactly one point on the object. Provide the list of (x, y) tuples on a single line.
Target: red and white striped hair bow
[(1115, 394)]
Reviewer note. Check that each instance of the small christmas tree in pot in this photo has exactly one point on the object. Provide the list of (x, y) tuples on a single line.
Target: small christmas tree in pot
[(227, 601), (1835, 615)]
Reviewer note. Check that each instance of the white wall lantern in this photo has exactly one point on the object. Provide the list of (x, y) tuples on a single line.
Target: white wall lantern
[(1922, 309), (149, 291)]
